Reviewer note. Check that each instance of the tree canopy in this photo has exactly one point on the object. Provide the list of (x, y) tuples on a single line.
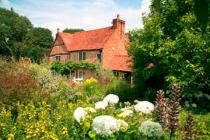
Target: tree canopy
[(72, 30), (18, 37), (172, 48), (13, 29)]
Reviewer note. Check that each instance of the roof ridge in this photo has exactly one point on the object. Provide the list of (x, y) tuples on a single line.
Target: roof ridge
[(86, 31)]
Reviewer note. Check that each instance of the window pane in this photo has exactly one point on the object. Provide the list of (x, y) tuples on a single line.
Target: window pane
[(57, 58), (84, 56), (99, 56), (80, 56), (81, 74)]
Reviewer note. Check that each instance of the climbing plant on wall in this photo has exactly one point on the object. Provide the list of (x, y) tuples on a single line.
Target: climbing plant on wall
[(65, 68)]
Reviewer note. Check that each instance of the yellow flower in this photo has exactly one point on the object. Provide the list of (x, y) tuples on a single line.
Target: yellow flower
[(50, 136), (65, 131), (91, 81), (10, 137)]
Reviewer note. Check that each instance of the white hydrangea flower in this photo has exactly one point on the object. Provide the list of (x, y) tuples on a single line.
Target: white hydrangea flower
[(151, 129), (90, 109), (144, 106), (112, 99), (136, 101), (101, 105), (79, 113), (122, 125), (105, 125)]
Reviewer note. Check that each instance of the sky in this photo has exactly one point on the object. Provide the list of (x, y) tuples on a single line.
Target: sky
[(85, 14)]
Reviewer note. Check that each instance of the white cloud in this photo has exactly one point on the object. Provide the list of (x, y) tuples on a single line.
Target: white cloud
[(5, 3), (88, 14)]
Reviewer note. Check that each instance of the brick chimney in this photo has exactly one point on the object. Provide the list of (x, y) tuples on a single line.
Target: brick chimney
[(119, 24)]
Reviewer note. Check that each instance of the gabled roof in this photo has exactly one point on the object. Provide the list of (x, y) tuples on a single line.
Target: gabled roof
[(86, 40)]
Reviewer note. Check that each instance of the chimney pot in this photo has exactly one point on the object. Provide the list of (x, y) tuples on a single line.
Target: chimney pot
[(58, 30), (119, 25), (118, 16)]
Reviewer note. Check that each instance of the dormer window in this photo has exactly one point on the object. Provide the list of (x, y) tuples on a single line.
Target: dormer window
[(82, 56), (57, 58)]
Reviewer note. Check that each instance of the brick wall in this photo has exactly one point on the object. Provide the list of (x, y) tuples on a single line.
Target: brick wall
[(112, 48), (91, 56)]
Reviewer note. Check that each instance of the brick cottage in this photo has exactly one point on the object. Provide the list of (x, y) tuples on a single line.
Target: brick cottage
[(105, 45)]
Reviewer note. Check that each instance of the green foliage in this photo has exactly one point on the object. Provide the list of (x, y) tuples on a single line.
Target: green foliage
[(200, 8), (18, 38), (93, 89), (13, 29), (39, 37), (65, 68), (120, 88), (172, 48), (104, 76), (72, 30), (37, 44)]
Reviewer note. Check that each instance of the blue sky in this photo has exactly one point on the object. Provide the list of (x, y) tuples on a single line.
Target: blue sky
[(86, 14)]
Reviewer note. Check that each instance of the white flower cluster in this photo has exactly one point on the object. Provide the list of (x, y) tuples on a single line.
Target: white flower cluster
[(101, 105), (151, 129), (109, 99), (107, 125), (144, 107), (79, 114)]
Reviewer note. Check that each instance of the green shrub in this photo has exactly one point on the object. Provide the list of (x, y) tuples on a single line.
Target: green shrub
[(122, 89)]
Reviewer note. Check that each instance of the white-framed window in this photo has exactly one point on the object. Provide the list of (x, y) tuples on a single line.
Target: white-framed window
[(82, 55), (57, 58), (78, 76)]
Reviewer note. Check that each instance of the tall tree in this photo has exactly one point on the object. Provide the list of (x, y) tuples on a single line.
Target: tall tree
[(13, 29), (172, 48), (38, 43)]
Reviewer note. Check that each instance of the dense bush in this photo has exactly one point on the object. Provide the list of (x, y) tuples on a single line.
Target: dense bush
[(122, 89), (16, 82), (172, 48)]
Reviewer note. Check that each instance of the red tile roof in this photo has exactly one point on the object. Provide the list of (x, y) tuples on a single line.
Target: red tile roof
[(121, 63), (86, 40)]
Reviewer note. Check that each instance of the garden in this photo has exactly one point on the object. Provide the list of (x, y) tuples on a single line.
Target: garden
[(169, 99), (39, 104)]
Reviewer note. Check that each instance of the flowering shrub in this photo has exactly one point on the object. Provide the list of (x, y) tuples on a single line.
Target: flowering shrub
[(101, 105), (111, 98), (151, 129), (56, 110), (91, 81), (144, 107), (79, 114), (105, 125), (92, 89)]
